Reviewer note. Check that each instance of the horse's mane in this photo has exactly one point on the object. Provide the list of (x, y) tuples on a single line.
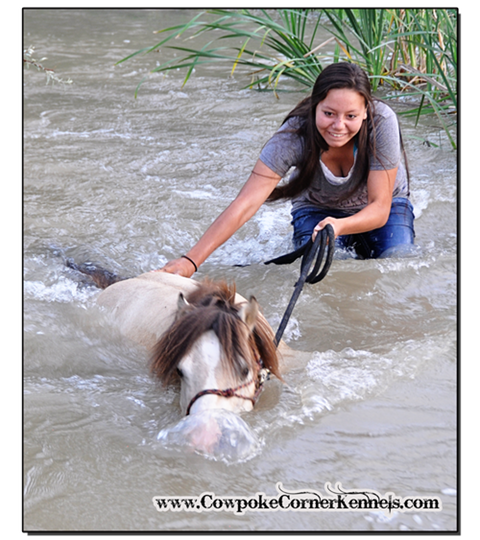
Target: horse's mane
[(212, 307)]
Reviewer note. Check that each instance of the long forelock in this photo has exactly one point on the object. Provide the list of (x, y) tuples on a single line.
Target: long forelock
[(212, 307)]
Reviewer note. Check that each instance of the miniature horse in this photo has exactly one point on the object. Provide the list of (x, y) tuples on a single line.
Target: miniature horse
[(213, 341)]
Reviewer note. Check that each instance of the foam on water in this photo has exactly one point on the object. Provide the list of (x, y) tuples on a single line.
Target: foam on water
[(335, 378), (64, 290)]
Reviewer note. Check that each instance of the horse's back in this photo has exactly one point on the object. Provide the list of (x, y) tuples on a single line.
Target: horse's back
[(143, 307)]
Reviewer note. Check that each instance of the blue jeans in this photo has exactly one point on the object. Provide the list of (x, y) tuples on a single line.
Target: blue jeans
[(382, 242)]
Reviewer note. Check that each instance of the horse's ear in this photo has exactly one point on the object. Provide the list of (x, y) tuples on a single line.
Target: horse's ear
[(182, 303), (249, 312)]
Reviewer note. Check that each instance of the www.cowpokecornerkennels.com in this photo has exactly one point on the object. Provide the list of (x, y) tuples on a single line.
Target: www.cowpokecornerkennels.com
[(334, 499)]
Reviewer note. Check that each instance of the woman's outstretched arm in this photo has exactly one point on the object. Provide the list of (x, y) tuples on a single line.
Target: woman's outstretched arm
[(254, 193)]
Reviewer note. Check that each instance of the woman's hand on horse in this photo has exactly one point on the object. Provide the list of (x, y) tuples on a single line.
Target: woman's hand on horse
[(182, 267)]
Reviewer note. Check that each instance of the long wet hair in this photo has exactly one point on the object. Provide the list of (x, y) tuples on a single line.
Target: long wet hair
[(335, 76)]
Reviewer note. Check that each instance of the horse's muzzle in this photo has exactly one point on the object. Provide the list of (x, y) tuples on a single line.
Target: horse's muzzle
[(216, 433)]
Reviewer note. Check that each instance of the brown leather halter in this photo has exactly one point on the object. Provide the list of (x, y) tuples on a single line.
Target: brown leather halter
[(263, 375)]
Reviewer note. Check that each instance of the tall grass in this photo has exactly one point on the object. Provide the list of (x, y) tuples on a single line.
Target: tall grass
[(411, 52), (270, 44)]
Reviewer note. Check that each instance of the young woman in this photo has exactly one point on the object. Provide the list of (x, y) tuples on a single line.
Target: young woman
[(346, 153)]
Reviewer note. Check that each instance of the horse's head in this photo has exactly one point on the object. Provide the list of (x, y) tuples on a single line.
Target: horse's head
[(220, 351)]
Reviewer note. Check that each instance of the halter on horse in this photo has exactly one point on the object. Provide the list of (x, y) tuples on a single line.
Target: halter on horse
[(263, 376), (217, 348)]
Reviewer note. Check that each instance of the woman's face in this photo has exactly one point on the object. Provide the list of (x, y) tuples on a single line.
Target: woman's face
[(340, 115)]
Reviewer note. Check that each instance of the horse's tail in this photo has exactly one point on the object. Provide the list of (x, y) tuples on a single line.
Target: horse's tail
[(100, 276)]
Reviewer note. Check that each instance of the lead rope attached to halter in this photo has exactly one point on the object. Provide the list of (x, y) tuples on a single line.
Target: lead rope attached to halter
[(309, 251)]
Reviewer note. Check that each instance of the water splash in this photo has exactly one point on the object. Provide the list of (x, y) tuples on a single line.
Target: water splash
[(217, 434)]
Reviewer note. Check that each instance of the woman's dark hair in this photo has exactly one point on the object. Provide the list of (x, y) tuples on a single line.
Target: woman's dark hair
[(335, 76)]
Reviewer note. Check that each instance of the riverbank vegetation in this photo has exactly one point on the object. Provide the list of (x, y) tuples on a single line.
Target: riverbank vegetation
[(409, 53), (30, 61)]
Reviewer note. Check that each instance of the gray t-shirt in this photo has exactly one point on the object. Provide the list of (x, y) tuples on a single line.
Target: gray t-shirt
[(285, 149)]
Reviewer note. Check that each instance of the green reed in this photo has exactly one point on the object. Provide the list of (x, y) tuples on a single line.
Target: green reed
[(270, 44), (410, 52)]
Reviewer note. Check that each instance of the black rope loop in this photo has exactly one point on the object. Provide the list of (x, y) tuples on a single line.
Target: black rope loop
[(316, 275)]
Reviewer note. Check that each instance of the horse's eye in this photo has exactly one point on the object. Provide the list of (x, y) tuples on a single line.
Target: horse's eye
[(245, 372), (179, 372)]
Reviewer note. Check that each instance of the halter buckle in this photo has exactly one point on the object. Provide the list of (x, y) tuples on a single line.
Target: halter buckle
[(263, 375)]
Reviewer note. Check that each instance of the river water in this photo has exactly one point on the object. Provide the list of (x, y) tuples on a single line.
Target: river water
[(131, 184)]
